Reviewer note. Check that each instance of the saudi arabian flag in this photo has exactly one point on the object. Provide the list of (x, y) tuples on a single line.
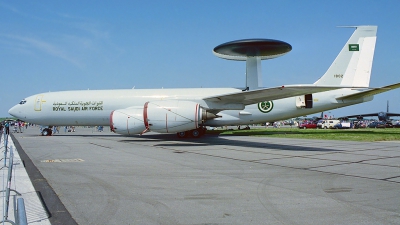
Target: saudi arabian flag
[(354, 47)]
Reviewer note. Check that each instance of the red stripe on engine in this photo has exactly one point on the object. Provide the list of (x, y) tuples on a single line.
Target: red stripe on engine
[(145, 119), (111, 121)]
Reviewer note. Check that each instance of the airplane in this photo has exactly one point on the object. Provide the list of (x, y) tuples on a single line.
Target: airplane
[(188, 111), (382, 116)]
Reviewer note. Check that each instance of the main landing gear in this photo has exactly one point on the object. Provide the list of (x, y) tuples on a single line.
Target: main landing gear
[(195, 133)]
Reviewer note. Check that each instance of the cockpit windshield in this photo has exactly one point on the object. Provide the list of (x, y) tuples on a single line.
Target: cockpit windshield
[(23, 101)]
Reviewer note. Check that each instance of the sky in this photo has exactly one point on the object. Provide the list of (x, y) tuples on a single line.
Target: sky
[(74, 45)]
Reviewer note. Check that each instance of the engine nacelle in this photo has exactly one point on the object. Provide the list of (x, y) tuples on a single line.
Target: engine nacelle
[(127, 121), (160, 116)]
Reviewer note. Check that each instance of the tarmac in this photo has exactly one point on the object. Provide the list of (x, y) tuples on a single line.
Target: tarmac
[(90, 177)]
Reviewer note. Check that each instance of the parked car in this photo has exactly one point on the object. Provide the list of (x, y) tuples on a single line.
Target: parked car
[(308, 125), (343, 125), (327, 123), (380, 124), (359, 125)]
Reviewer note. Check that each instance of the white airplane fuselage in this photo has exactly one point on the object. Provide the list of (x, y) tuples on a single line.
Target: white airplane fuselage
[(93, 107)]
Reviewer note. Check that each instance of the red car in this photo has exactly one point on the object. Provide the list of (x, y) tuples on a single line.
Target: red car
[(308, 125)]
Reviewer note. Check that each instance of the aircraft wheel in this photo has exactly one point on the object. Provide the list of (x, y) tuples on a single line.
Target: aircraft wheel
[(196, 133), (46, 132), (182, 134)]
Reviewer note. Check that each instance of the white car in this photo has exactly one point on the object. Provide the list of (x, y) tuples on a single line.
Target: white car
[(324, 124)]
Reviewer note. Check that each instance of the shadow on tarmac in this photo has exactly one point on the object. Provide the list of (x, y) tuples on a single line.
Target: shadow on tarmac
[(215, 140)]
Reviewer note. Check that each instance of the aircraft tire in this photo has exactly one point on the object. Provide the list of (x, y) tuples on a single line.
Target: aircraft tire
[(196, 133), (182, 134), (46, 132)]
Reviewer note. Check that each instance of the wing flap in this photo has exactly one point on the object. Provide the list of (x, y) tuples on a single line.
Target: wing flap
[(268, 94), (368, 93)]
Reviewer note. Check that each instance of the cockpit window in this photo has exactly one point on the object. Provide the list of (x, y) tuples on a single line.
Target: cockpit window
[(23, 101)]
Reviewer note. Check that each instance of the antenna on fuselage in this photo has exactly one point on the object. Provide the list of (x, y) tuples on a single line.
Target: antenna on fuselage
[(252, 51)]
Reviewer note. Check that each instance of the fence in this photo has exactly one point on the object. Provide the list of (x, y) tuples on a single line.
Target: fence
[(19, 205)]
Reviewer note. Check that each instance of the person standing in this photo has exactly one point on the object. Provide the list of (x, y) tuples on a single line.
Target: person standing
[(7, 126), (20, 127)]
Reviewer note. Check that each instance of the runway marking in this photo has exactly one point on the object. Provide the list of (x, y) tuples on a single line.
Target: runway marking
[(62, 160)]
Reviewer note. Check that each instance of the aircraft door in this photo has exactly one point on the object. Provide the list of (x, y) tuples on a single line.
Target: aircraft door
[(304, 101), (38, 103), (309, 101)]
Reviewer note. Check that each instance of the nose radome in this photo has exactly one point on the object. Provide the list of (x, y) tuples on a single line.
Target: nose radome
[(14, 111)]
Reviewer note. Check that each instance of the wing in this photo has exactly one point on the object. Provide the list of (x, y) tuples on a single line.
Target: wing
[(385, 114), (393, 114), (368, 93), (268, 94), (363, 115)]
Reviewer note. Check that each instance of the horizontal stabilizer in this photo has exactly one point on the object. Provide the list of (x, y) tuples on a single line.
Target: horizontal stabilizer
[(269, 94), (368, 93)]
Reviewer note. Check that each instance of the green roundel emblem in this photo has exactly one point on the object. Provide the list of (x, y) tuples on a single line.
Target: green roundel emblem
[(265, 106)]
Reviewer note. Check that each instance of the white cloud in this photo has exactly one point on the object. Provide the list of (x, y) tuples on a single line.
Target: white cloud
[(44, 47)]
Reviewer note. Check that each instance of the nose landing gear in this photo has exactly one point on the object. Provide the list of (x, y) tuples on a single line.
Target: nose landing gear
[(47, 132)]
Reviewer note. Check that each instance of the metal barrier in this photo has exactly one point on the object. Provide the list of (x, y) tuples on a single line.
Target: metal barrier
[(19, 209), (5, 149), (20, 216)]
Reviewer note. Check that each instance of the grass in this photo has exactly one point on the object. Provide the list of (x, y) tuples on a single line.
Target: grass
[(368, 134)]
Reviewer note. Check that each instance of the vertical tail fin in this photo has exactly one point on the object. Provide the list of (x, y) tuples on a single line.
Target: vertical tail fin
[(352, 67)]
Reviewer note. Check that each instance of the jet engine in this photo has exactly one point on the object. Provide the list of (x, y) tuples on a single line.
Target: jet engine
[(170, 116)]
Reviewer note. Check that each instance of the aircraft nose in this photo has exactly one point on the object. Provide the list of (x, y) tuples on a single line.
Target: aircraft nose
[(15, 112)]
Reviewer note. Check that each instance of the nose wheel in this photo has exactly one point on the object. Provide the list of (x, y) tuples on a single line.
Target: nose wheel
[(47, 132)]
